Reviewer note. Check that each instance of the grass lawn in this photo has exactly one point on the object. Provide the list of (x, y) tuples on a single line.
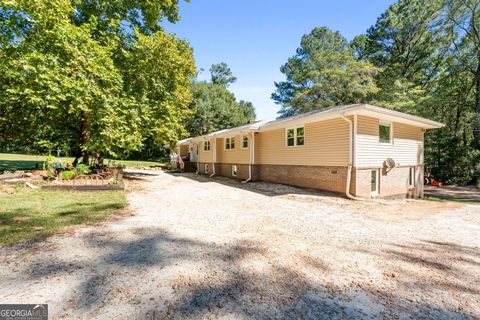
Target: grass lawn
[(10, 161), (448, 199), (25, 214)]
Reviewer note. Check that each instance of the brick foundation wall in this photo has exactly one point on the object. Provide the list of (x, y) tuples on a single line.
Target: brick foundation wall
[(190, 166), (391, 184), (225, 170), (316, 177), (201, 168)]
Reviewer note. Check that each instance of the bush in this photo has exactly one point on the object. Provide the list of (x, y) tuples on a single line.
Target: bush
[(113, 181), (82, 169), (68, 175)]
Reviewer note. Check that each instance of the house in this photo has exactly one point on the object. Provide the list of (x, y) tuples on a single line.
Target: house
[(359, 150)]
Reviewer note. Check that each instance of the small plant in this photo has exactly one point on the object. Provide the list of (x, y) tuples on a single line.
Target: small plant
[(113, 181), (68, 175), (51, 164), (82, 168), (174, 170)]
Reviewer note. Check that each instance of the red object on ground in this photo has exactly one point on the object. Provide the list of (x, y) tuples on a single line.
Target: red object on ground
[(437, 183)]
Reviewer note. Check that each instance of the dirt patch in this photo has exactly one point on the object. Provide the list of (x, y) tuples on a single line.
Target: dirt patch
[(218, 249)]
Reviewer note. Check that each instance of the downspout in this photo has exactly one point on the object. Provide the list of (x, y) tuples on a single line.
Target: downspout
[(350, 159), (214, 156), (252, 147), (198, 158)]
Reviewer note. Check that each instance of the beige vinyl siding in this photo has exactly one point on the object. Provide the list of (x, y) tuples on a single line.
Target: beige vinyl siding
[(406, 147), (234, 156), (206, 156), (326, 144)]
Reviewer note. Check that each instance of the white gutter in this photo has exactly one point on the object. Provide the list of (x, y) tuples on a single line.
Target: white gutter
[(252, 155), (198, 158), (350, 159), (214, 155)]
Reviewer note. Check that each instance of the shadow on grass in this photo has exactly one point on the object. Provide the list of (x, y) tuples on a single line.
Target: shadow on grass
[(227, 286), (20, 164), (34, 215)]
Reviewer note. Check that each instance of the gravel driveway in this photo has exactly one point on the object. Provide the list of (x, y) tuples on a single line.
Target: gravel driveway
[(201, 248)]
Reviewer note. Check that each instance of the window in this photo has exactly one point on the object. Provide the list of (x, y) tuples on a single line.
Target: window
[(290, 137), (206, 167), (230, 143), (374, 182), (244, 142), (300, 136), (296, 137), (206, 146), (385, 132), (234, 170), (411, 177)]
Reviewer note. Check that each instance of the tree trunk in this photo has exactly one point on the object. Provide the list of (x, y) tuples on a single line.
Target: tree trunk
[(84, 137), (476, 126)]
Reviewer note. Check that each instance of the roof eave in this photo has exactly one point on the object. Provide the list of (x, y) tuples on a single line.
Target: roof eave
[(395, 116)]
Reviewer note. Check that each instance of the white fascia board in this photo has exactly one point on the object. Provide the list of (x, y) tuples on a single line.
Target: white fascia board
[(395, 116)]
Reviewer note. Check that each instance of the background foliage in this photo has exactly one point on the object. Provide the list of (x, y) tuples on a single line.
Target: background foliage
[(91, 77), (215, 107), (421, 57)]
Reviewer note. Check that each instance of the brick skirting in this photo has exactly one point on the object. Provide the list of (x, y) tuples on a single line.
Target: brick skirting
[(392, 184)]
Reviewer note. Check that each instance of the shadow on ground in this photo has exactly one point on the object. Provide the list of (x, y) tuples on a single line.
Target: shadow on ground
[(454, 193), (222, 280), (20, 164), (265, 188)]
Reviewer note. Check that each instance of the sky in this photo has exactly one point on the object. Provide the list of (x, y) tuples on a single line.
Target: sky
[(256, 37)]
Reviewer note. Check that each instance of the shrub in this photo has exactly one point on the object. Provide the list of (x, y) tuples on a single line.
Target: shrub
[(82, 169), (113, 181), (68, 175)]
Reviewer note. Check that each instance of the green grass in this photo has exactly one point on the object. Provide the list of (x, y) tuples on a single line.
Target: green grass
[(10, 161), (451, 199), (24, 210)]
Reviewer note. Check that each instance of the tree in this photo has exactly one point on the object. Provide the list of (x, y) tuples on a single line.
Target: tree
[(323, 72), (215, 107), (428, 54), (404, 43), (462, 21), (221, 74), (76, 77), (247, 110)]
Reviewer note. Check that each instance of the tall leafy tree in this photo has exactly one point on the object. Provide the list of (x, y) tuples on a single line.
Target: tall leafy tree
[(404, 43), (215, 107), (462, 21), (428, 53), (221, 74), (323, 72), (76, 77)]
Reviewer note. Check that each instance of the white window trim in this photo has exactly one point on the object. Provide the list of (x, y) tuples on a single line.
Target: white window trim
[(209, 146), (225, 143), (385, 123), (412, 174), (248, 141), (294, 137), (233, 171)]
